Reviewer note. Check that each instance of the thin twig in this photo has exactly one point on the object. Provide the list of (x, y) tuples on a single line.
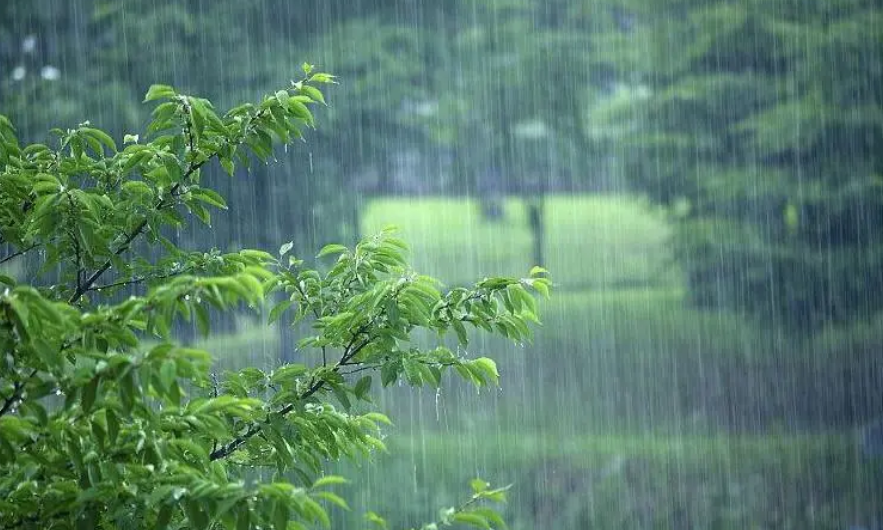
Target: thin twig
[(361, 368), (76, 242), (134, 281), (231, 447)]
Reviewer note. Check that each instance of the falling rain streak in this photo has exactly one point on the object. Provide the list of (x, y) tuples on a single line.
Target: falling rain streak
[(702, 178)]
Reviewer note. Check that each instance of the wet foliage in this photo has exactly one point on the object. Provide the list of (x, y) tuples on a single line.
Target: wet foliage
[(99, 428)]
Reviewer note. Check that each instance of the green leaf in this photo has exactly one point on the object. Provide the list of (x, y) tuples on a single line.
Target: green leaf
[(389, 373), (363, 386), (328, 250), (340, 393), (89, 393), (159, 92), (282, 98), (317, 512), (227, 165), (537, 270), (196, 516), (461, 332), (329, 480), (491, 516), (478, 485), (333, 499), (278, 310), (287, 374), (376, 520), (164, 517), (280, 516), (168, 374), (472, 519), (314, 93), (113, 425), (203, 321), (541, 287), (243, 518), (377, 417), (322, 78), (101, 136), (286, 248), (496, 495), (209, 197), (201, 213)]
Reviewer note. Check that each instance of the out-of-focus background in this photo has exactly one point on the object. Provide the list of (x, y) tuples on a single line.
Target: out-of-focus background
[(702, 178)]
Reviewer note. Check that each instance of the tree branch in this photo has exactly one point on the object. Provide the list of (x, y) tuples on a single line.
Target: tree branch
[(349, 352), (135, 281), (231, 447), (74, 239), (127, 242), (17, 389), (14, 255)]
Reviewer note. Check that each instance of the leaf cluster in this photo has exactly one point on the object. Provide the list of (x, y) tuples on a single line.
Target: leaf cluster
[(105, 421)]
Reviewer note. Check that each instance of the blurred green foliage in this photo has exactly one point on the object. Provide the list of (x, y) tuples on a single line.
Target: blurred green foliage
[(760, 126), (756, 122)]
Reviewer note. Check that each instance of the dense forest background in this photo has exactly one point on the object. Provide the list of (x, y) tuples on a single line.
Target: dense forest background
[(702, 177)]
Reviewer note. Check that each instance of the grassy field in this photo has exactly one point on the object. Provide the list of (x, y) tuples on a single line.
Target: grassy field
[(616, 482), (592, 241)]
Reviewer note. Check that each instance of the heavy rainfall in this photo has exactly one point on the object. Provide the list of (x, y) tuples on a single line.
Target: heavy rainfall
[(699, 182)]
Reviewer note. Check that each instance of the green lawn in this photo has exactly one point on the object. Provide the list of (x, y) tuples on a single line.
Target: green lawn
[(591, 240), (599, 243)]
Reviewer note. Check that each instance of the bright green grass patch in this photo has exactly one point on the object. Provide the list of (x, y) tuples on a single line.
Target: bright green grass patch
[(591, 240), (647, 322)]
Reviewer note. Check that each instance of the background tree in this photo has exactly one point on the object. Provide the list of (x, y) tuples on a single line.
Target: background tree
[(525, 73), (772, 169)]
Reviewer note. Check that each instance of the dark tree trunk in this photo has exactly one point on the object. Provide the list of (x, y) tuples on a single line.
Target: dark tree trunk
[(536, 207)]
